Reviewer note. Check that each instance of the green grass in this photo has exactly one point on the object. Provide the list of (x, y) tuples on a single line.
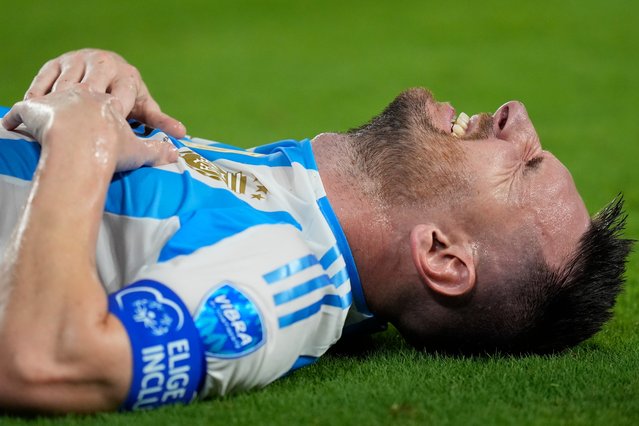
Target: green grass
[(251, 72)]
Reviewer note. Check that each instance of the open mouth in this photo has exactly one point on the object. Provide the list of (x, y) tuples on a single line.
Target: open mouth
[(459, 125)]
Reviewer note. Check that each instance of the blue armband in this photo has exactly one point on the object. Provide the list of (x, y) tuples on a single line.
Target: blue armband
[(168, 358)]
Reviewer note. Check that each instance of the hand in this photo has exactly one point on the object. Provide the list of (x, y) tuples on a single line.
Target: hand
[(85, 121), (105, 72)]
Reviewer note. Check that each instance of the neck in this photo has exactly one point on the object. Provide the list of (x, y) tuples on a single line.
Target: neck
[(363, 217)]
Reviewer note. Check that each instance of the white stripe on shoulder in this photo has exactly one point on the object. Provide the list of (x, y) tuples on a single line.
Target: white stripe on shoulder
[(202, 141)]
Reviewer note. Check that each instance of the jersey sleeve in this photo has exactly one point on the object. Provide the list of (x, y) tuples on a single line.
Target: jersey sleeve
[(262, 303)]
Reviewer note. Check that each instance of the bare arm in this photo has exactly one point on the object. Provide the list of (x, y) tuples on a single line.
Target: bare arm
[(60, 349)]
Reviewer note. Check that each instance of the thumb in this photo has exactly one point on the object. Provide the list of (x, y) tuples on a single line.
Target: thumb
[(37, 117), (13, 118)]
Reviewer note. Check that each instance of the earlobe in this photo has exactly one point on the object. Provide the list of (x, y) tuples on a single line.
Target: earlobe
[(445, 263)]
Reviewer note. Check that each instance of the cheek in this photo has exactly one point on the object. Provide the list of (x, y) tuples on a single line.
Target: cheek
[(493, 179)]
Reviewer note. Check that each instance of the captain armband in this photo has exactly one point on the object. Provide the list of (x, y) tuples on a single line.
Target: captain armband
[(168, 358)]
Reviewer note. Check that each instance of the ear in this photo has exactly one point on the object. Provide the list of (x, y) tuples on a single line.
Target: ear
[(445, 263)]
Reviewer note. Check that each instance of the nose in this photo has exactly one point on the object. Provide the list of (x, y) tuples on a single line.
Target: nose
[(511, 123)]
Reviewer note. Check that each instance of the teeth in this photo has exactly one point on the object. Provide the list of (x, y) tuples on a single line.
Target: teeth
[(460, 124), (458, 130), (463, 119)]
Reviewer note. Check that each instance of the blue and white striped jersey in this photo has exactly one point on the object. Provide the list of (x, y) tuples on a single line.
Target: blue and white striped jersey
[(246, 238)]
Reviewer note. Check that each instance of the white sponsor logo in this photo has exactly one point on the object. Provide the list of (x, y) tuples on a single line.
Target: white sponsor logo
[(234, 319), (165, 374), (152, 315)]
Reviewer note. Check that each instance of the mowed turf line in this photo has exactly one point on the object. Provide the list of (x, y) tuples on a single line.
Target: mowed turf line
[(251, 72)]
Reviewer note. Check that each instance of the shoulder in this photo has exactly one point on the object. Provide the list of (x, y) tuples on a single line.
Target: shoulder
[(261, 300)]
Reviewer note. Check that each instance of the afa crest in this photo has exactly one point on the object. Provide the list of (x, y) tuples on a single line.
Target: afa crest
[(238, 182)]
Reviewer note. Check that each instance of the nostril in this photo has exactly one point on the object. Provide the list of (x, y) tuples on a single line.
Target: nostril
[(503, 118)]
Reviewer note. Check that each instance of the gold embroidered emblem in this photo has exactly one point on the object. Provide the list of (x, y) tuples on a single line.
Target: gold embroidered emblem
[(237, 182)]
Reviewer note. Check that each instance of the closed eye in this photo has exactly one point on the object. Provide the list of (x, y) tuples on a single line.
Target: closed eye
[(534, 163)]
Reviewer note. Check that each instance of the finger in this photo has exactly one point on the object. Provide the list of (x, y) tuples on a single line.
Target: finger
[(164, 122), (173, 127), (43, 81), (72, 71), (126, 91), (13, 118), (167, 153), (99, 76), (116, 105), (147, 152), (158, 152), (148, 111)]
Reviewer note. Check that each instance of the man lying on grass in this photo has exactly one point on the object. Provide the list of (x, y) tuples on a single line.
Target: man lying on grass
[(226, 268)]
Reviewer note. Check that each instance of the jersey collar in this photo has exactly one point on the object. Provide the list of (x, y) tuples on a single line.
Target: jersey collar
[(340, 237)]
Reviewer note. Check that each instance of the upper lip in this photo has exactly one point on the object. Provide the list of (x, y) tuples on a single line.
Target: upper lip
[(502, 117)]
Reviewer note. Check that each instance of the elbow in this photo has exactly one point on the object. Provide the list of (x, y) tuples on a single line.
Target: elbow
[(24, 375), (82, 377), (34, 379), (13, 389)]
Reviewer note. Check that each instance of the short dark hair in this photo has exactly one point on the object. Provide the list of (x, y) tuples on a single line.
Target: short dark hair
[(552, 310)]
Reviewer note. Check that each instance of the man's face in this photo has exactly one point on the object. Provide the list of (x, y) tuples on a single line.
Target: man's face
[(509, 183), (519, 185)]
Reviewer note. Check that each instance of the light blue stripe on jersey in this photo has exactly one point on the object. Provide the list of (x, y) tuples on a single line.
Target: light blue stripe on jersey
[(19, 158), (327, 260), (329, 257), (290, 269), (328, 299), (321, 281), (301, 289), (339, 278), (4, 111), (302, 361), (160, 194), (295, 151), (208, 226)]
